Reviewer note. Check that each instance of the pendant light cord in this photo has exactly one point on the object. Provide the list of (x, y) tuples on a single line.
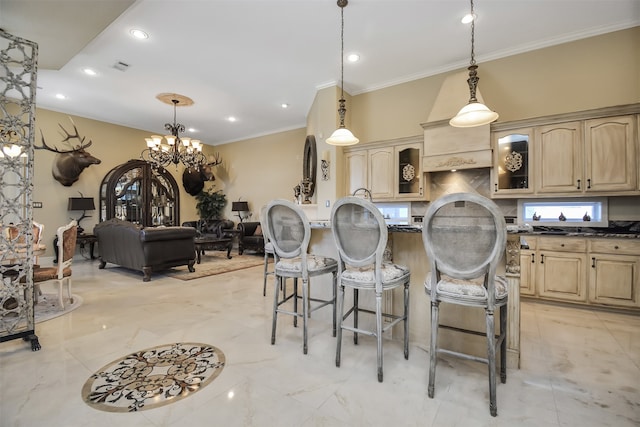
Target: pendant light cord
[(342, 51)]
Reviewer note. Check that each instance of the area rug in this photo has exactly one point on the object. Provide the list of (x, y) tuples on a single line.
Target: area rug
[(48, 307), (212, 265), (153, 377)]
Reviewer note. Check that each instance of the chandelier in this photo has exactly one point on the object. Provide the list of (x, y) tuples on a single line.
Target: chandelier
[(175, 149), (474, 113), (342, 136)]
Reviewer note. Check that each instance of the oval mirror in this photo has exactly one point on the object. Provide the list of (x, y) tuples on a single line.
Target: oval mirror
[(310, 162)]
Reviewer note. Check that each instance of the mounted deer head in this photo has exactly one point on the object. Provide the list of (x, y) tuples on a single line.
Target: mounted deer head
[(69, 163), (193, 179)]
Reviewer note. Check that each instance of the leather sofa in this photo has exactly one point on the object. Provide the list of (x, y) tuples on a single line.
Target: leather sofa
[(146, 249), (251, 237), (211, 227)]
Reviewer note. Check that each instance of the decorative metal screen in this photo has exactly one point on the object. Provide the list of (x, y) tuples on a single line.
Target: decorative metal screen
[(18, 71)]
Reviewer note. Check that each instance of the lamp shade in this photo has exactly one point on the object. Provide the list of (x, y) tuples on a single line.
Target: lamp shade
[(342, 137), (81, 204), (239, 206), (473, 114)]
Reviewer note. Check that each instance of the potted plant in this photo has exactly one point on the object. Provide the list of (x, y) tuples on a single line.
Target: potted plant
[(210, 204)]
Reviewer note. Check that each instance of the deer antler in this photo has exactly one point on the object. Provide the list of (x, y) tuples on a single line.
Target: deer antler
[(217, 160), (69, 136)]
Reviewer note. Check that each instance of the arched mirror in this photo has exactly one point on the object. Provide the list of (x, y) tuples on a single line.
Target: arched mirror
[(310, 163)]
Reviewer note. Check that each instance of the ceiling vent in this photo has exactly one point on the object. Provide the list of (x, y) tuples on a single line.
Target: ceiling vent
[(121, 66)]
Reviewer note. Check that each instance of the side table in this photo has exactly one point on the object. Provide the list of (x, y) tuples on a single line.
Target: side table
[(82, 240)]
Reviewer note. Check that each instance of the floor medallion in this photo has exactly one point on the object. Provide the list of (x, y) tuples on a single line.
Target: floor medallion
[(153, 377)]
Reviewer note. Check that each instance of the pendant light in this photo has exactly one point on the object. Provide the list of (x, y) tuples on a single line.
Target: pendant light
[(474, 113), (342, 136)]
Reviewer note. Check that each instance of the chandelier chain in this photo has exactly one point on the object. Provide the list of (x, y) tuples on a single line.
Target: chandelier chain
[(473, 26)]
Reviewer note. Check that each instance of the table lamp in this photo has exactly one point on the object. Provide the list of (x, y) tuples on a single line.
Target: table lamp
[(83, 204), (240, 207)]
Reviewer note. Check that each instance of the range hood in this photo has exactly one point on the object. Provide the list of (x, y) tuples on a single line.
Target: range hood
[(447, 147)]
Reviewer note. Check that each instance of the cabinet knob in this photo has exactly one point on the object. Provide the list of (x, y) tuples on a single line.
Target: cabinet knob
[(593, 262), (578, 184), (589, 183), (562, 245), (495, 187), (533, 258), (616, 247), (541, 258)]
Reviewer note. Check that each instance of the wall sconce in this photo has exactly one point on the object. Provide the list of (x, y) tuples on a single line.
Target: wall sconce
[(324, 165)]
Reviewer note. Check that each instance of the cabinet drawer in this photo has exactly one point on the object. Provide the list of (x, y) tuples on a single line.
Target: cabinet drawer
[(614, 246), (562, 244)]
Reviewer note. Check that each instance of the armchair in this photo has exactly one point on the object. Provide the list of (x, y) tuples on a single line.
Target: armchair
[(217, 228), (251, 237)]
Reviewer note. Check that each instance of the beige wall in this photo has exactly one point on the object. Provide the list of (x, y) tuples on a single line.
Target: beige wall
[(590, 73), (596, 72)]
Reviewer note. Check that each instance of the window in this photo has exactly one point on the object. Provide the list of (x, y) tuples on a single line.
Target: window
[(583, 212), (395, 213)]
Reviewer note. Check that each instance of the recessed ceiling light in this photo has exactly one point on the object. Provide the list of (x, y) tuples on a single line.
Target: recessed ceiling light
[(89, 72), (353, 57), (284, 105), (60, 96), (231, 119), (139, 34), (466, 19)]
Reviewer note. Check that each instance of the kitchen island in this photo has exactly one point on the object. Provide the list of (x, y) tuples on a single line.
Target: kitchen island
[(407, 249)]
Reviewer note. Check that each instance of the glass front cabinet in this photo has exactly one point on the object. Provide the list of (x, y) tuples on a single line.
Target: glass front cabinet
[(512, 161), (136, 192)]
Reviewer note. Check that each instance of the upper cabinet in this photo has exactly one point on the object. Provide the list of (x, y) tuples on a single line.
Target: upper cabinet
[(512, 159), (391, 170), (610, 154), (558, 157)]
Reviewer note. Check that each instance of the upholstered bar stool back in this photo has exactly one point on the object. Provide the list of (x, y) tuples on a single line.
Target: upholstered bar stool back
[(464, 236), (360, 233), (290, 233)]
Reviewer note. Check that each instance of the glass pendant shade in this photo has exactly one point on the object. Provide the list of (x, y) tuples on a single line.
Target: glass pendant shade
[(342, 137), (473, 114)]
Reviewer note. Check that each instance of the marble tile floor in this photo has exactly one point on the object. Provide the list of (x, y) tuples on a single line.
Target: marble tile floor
[(579, 367)]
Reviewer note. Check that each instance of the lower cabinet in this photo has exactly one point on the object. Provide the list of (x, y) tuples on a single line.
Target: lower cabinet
[(613, 272), (593, 271), (562, 275)]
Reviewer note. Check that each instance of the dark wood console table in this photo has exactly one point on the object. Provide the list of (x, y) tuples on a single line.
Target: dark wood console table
[(82, 240)]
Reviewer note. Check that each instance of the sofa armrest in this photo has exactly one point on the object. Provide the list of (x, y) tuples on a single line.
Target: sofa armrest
[(248, 228)]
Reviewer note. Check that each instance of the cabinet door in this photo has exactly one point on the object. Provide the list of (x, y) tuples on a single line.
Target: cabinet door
[(613, 280), (511, 173), (408, 172), (527, 272), (356, 171), (610, 154), (559, 158), (561, 275), (381, 173)]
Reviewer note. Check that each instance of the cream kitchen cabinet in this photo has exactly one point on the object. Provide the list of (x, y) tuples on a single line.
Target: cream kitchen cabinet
[(391, 170), (381, 173), (356, 170), (591, 156), (559, 158), (561, 268), (614, 272), (512, 159), (588, 271), (528, 268), (588, 153), (610, 154)]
